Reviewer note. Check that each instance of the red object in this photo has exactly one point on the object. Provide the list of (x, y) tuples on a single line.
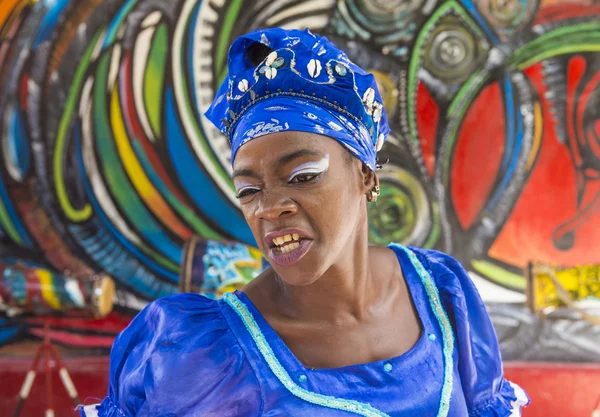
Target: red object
[(556, 390), (561, 390), (50, 358), (427, 123), (473, 177)]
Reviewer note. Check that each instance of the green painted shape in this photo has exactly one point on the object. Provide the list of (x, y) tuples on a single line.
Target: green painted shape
[(248, 273), (8, 226), (583, 37), (434, 235), (393, 217), (456, 112), (415, 61), (467, 93), (563, 50), (58, 162), (154, 78), (186, 107), (499, 274), (558, 37), (223, 43), (124, 194)]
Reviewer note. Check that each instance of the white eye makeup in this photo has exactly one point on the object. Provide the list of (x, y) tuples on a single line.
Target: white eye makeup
[(312, 168), (244, 189)]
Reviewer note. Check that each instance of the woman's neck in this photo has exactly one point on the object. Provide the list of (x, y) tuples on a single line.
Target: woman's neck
[(343, 294)]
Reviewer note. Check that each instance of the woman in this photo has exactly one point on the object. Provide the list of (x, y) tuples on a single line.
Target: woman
[(335, 327)]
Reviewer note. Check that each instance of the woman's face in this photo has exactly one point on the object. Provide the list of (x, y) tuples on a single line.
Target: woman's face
[(303, 197)]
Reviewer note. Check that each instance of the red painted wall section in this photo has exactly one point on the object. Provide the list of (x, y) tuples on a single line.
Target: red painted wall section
[(478, 156), (556, 390)]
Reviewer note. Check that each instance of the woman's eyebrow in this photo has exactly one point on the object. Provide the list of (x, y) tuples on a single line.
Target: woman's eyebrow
[(297, 154), (244, 173)]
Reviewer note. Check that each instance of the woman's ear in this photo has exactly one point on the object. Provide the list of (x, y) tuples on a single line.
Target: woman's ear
[(370, 179)]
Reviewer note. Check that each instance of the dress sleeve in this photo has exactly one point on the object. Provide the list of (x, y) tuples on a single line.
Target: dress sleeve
[(177, 355), (128, 358), (487, 392)]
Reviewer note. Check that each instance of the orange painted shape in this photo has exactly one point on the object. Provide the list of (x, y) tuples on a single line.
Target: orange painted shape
[(6, 7)]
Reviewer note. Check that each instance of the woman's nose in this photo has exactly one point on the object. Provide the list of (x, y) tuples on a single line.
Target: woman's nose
[(273, 206)]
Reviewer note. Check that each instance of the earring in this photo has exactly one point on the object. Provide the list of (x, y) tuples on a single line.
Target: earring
[(373, 194)]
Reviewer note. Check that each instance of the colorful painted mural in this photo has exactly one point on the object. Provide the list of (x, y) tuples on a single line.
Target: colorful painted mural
[(108, 165)]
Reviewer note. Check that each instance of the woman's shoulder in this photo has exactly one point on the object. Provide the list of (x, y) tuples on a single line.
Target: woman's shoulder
[(443, 268), (173, 323), (185, 303), (487, 393), (168, 347), (175, 315)]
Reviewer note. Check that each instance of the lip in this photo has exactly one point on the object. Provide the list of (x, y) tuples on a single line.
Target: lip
[(290, 258), (268, 239)]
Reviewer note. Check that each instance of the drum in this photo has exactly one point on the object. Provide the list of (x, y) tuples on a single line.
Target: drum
[(27, 288), (212, 268)]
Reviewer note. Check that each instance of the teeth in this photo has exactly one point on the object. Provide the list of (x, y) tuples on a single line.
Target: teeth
[(279, 241), (287, 243), (290, 247)]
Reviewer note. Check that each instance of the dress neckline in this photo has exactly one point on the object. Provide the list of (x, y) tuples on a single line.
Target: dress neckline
[(419, 350)]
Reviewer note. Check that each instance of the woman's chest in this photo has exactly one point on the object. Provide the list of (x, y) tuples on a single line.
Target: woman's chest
[(327, 345), (336, 347)]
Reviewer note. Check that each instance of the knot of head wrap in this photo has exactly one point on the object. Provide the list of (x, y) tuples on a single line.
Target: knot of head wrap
[(304, 84)]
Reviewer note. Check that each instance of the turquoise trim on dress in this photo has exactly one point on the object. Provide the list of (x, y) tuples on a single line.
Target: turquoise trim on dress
[(445, 326), (349, 405), (265, 349)]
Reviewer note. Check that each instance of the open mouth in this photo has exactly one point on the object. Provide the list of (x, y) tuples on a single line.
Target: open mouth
[(287, 243), (287, 246)]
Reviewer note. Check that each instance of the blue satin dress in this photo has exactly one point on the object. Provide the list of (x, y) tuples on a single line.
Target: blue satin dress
[(187, 355)]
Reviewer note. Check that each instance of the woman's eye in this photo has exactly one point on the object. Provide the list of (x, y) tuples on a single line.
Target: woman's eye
[(245, 192), (303, 178)]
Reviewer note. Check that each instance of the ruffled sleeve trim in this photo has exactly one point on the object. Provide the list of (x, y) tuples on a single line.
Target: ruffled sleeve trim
[(106, 408), (508, 402)]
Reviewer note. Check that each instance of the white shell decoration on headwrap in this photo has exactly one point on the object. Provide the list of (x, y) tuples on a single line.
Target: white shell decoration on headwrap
[(271, 73), (271, 58), (377, 112), (314, 68), (369, 97), (380, 140), (243, 85)]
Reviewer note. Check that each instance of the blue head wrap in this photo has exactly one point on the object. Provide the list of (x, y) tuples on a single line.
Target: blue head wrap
[(306, 84)]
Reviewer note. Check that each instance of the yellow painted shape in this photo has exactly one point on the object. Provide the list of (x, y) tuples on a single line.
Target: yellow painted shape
[(580, 282), (45, 278), (138, 177)]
